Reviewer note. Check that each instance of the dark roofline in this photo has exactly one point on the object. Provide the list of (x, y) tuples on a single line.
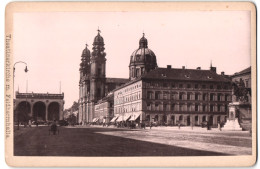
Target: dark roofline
[(244, 71)]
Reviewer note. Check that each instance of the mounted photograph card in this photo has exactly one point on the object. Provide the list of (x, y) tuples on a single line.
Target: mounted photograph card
[(130, 84)]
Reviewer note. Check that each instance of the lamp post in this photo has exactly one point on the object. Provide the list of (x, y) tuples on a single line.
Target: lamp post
[(26, 70)]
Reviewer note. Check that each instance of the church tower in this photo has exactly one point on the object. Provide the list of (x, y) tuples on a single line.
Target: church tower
[(142, 60), (97, 73), (84, 85)]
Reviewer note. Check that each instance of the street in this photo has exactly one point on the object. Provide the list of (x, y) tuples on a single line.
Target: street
[(102, 141)]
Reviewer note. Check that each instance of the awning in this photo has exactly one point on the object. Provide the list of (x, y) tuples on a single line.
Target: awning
[(114, 119), (126, 117), (95, 119), (134, 117), (120, 118)]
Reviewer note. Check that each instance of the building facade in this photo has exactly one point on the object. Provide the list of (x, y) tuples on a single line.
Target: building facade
[(160, 95), (38, 106)]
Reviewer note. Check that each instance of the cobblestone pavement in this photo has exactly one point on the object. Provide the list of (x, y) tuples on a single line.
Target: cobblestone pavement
[(103, 141)]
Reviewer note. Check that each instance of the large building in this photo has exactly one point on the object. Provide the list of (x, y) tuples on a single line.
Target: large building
[(152, 94), (38, 106)]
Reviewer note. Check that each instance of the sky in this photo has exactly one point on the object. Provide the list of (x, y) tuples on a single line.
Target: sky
[(51, 44)]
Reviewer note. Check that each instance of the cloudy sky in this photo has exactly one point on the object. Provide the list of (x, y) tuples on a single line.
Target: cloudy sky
[(51, 44)]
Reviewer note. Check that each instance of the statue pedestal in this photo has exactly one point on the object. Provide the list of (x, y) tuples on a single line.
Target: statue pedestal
[(232, 121), (232, 125)]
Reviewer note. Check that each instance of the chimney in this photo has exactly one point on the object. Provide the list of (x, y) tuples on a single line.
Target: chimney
[(213, 69), (222, 73), (183, 67), (169, 66), (198, 68)]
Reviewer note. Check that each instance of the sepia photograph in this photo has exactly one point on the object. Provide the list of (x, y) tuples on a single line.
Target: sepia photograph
[(99, 81)]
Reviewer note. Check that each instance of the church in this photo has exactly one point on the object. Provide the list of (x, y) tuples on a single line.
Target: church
[(161, 95)]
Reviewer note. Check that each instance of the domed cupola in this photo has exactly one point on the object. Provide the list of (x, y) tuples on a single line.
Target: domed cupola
[(98, 45), (142, 60), (85, 62)]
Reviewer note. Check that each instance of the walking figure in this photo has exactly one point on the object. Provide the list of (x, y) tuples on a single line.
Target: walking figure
[(53, 128)]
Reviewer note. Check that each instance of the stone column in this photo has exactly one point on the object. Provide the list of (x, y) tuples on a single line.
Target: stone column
[(31, 113), (46, 111)]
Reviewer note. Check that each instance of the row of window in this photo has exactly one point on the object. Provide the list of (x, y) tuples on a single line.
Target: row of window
[(128, 108), (129, 98), (188, 96), (188, 86), (188, 107), (129, 89)]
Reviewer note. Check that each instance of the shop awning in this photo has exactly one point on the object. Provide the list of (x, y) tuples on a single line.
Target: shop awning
[(134, 117), (114, 119), (126, 117), (95, 119), (120, 118)]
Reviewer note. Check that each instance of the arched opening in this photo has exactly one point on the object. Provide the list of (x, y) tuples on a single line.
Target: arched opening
[(218, 119), (211, 120), (196, 120), (53, 111), (203, 118), (39, 111), (188, 120), (173, 120), (22, 112), (155, 118), (164, 119)]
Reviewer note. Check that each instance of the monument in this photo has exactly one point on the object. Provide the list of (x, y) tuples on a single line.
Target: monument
[(239, 116)]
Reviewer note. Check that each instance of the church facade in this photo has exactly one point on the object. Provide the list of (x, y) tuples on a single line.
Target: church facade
[(152, 94)]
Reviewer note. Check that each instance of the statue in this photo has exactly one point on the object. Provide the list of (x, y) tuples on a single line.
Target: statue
[(240, 91)]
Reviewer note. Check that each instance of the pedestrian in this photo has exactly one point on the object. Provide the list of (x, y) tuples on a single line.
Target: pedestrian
[(179, 125), (219, 126), (151, 124), (191, 125)]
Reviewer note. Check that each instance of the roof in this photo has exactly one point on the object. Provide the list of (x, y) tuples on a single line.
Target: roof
[(245, 71), (116, 80), (185, 75)]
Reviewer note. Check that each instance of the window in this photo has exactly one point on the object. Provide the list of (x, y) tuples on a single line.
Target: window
[(211, 108), (157, 95), (165, 95), (173, 107), (203, 86), (218, 86), (148, 106), (196, 86), (211, 87), (173, 85), (180, 107), (226, 97), (165, 85), (196, 107), (189, 107), (180, 85), (226, 108), (188, 86), (188, 96), (219, 108), (173, 96), (164, 107), (157, 106), (180, 96), (211, 97), (204, 97), (149, 95), (204, 107), (99, 71), (219, 97), (196, 96), (137, 72)]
